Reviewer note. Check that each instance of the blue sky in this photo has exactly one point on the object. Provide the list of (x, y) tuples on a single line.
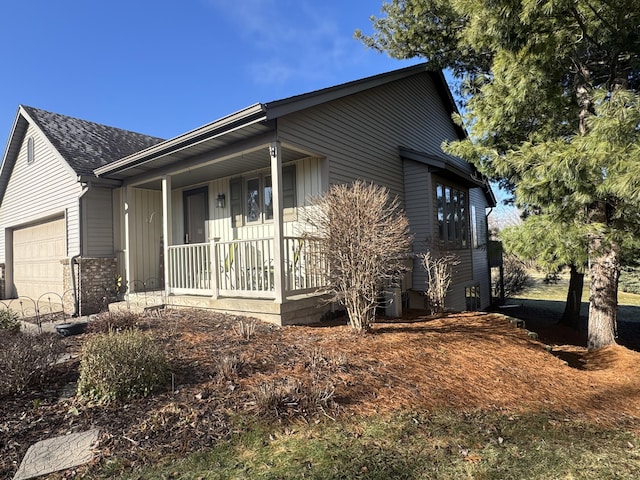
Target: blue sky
[(164, 67)]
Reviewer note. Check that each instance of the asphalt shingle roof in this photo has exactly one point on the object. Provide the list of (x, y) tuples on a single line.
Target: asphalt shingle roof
[(87, 145)]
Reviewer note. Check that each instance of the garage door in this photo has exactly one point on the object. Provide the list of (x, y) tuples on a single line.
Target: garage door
[(37, 251)]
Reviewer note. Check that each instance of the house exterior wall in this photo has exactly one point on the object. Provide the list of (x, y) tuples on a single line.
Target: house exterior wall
[(44, 188), (481, 270), (37, 191), (360, 134), (145, 236), (219, 226), (97, 223), (94, 280), (418, 204)]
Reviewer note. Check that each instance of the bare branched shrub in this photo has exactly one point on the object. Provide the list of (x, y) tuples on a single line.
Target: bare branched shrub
[(25, 359), (364, 236), (293, 396), (118, 321), (9, 321), (331, 362), (229, 366), (516, 277), (245, 329), (439, 270)]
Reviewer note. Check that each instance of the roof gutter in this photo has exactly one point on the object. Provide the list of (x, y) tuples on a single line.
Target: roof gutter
[(99, 182), (231, 122)]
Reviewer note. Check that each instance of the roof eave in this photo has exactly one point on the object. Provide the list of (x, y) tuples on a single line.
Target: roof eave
[(8, 158), (278, 108), (231, 122)]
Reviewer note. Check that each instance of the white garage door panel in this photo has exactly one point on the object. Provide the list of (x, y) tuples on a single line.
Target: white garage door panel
[(37, 251)]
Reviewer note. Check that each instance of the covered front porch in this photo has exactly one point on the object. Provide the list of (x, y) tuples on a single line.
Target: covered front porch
[(213, 218)]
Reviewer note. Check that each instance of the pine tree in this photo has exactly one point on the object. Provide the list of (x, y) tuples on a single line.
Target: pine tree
[(550, 90), (552, 246)]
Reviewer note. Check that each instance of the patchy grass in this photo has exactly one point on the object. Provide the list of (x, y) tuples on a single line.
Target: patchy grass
[(557, 292), (443, 445), (418, 398)]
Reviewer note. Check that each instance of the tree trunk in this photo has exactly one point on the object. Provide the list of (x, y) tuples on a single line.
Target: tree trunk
[(571, 315), (604, 270)]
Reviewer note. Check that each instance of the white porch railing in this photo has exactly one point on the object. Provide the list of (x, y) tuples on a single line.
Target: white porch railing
[(304, 264), (190, 269), (245, 268)]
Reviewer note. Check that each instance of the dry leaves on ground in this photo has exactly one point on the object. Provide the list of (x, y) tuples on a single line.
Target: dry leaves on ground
[(463, 361)]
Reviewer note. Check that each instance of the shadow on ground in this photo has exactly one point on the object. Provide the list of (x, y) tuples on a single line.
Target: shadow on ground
[(543, 316)]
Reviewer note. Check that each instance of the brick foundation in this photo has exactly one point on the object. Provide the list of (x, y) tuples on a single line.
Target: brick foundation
[(95, 281)]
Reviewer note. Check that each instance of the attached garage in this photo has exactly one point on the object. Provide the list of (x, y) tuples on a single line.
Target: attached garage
[(37, 251)]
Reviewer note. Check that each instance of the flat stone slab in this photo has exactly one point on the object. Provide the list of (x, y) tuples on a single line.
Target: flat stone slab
[(57, 453)]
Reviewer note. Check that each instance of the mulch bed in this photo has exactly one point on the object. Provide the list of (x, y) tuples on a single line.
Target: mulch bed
[(464, 361)]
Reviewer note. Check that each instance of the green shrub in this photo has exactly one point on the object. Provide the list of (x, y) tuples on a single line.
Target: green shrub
[(9, 320), (25, 359), (630, 280), (118, 365)]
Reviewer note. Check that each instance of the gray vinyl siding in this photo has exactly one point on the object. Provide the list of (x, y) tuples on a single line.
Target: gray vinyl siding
[(44, 188), (479, 255), (462, 275), (360, 134), (417, 204), (145, 236), (420, 207), (97, 223)]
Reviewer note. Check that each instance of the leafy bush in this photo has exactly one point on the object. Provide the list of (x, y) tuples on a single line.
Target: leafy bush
[(9, 320), (121, 365), (25, 359)]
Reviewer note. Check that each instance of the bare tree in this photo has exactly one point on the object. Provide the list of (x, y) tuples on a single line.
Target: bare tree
[(439, 269), (364, 237)]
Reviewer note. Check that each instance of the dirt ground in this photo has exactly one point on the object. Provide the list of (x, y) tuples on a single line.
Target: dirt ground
[(464, 361)]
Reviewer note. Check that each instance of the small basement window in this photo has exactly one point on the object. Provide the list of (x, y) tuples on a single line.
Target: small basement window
[(472, 298)]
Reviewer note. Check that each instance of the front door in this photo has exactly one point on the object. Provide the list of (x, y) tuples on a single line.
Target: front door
[(196, 211)]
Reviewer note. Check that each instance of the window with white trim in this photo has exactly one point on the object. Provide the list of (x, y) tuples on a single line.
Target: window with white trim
[(251, 197)]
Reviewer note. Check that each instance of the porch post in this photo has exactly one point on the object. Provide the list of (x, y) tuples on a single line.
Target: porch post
[(128, 214), (214, 268), (278, 227), (166, 229)]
